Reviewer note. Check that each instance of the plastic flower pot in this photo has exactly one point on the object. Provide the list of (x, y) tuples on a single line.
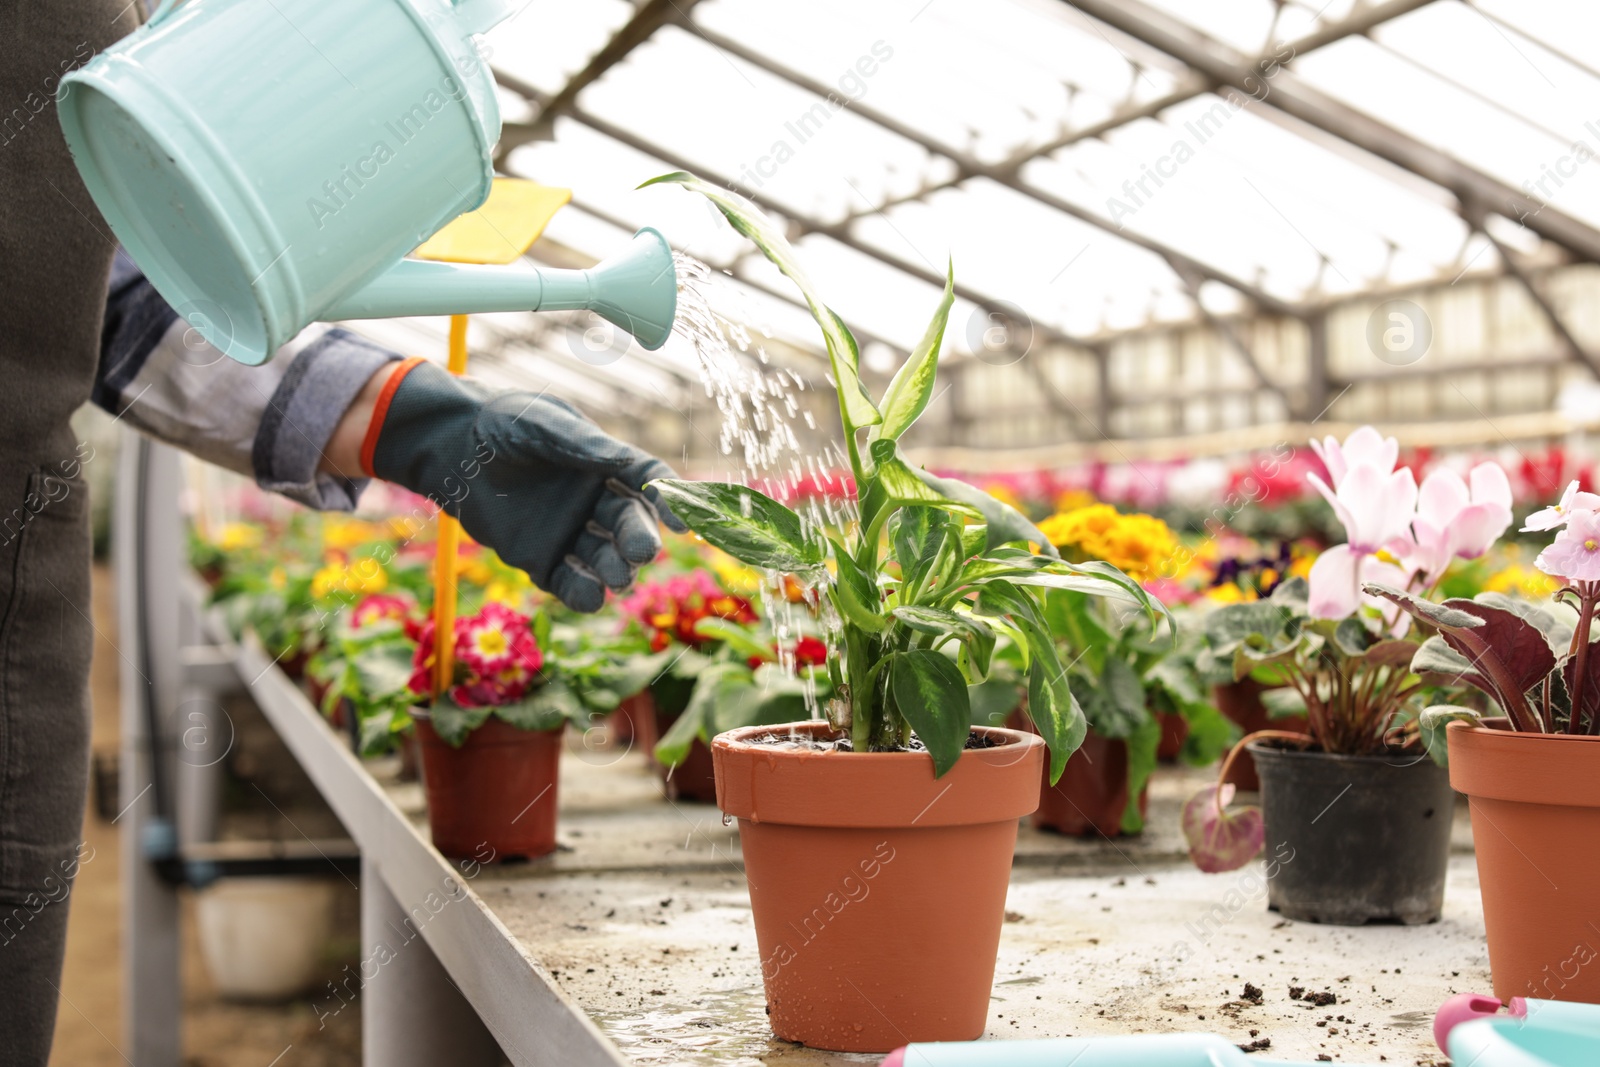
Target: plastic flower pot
[(1369, 836), (410, 756), (1535, 802), (1092, 793), (264, 938), (1241, 702), (878, 890), (497, 790)]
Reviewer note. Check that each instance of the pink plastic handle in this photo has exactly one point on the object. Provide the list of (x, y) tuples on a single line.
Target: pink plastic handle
[(1463, 1008)]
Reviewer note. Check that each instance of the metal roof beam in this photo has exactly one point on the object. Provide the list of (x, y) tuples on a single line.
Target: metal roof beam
[(1228, 330), (1299, 100), (1576, 349), (645, 20), (921, 271), (1189, 87), (967, 167)]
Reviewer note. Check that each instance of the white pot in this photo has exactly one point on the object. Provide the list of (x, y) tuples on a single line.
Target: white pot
[(263, 938)]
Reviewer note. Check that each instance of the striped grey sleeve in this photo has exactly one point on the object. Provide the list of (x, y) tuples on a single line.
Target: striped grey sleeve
[(271, 422)]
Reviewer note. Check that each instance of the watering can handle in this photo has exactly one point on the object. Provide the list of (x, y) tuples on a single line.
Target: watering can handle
[(479, 16)]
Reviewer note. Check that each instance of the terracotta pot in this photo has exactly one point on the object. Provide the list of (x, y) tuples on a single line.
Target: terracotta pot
[(496, 792), (1241, 702), (1535, 801), (878, 890), (694, 778), (634, 720), (1092, 793), (1174, 732)]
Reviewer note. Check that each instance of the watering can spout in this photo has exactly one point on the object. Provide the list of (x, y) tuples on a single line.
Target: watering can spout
[(637, 290)]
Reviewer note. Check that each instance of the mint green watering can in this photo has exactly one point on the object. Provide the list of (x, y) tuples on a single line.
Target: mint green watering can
[(270, 164)]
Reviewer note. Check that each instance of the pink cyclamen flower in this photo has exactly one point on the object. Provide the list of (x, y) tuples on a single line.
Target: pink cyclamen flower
[(1365, 447), (1376, 506), (1557, 514), (1575, 553), (1337, 577), (1454, 519)]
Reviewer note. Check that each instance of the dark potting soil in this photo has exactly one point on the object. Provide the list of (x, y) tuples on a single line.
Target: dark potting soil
[(843, 744)]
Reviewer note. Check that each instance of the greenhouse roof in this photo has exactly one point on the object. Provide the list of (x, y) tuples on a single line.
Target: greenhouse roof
[(1095, 167)]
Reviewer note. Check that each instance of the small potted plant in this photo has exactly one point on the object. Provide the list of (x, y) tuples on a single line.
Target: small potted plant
[(363, 670), (1365, 812), (491, 742), (1245, 701), (1532, 772), (861, 827), (696, 633), (1131, 678)]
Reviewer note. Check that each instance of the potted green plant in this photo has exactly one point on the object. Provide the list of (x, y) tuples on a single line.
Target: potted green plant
[(1134, 678), (363, 670), (1248, 576), (1532, 772), (491, 742), (1365, 812), (859, 828), (704, 658)]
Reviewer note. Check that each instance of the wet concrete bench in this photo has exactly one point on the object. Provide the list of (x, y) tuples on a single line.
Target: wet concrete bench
[(633, 943)]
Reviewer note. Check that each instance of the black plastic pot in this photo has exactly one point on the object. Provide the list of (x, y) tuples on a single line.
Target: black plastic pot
[(1359, 838)]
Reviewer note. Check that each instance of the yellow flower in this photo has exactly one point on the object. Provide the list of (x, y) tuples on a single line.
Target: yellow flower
[(1142, 546), (348, 533), (361, 578), (236, 535), (733, 575), (1523, 581), (511, 589), (278, 578), (327, 579), (1229, 593), (475, 570), (368, 576)]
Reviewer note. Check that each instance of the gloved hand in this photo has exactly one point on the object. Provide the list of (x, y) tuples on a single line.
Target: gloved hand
[(526, 474)]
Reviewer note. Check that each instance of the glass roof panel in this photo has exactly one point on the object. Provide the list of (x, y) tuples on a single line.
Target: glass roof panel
[(1508, 88)]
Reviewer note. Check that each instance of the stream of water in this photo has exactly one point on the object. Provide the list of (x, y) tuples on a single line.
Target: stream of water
[(760, 404)]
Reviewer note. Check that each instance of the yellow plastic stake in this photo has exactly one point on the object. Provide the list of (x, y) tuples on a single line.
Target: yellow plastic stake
[(499, 232), (444, 563)]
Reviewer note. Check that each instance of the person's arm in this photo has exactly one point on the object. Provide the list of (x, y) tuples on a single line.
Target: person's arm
[(342, 457), (527, 474), (278, 423)]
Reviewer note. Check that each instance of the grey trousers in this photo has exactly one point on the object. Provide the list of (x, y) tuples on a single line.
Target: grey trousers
[(55, 252)]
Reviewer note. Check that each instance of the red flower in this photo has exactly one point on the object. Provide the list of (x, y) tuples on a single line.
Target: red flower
[(496, 658), (810, 652), (669, 610)]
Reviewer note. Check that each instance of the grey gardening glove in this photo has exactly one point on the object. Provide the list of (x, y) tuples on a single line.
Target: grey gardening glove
[(527, 475)]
